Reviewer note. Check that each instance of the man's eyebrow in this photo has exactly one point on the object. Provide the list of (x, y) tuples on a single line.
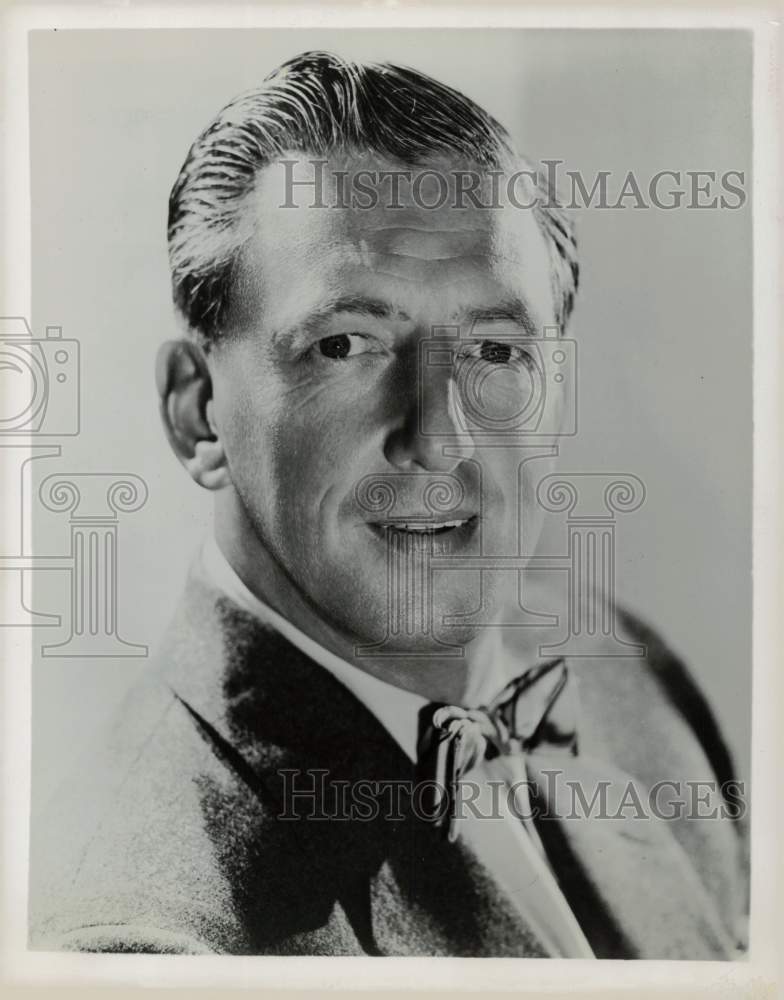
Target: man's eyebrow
[(361, 305), (365, 305), (511, 310)]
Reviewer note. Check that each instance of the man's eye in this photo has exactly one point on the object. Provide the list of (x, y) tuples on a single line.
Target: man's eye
[(344, 345), (497, 352)]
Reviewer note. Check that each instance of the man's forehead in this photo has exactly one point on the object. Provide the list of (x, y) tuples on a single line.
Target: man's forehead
[(452, 255)]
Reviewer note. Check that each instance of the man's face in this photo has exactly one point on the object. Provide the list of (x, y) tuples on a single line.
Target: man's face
[(357, 444)]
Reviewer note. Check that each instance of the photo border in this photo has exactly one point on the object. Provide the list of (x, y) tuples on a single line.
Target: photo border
[(754, 976)]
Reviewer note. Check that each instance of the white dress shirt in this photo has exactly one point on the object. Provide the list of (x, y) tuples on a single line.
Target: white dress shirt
[(511, 854)]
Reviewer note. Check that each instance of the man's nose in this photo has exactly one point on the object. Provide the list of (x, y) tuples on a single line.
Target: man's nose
[(430, 434)]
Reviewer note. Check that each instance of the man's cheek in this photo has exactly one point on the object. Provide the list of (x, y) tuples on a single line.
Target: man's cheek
[(328, 441)]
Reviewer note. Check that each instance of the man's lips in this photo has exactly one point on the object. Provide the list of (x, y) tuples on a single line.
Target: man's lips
[(424, 525)]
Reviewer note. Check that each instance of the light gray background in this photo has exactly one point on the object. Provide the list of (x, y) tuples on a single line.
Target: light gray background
[(664, 315)]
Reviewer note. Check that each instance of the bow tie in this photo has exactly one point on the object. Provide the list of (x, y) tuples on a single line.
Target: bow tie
[(534, 710)]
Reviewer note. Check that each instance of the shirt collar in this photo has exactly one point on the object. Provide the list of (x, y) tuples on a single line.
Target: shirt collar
[(395, 708)]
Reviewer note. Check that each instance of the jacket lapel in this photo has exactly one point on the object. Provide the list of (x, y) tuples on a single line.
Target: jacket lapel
[(297, 748)]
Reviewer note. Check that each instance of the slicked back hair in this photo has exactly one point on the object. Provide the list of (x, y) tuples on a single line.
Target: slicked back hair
[(318, 104)]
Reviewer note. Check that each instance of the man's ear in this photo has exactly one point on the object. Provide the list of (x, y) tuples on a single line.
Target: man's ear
[(185, 390)]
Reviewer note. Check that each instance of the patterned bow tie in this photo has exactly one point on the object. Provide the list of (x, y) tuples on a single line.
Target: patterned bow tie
[(533, 710)]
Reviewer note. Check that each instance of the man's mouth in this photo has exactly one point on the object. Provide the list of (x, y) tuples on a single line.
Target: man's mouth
[(423, 527)]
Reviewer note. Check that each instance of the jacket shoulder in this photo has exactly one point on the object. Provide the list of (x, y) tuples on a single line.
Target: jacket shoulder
[(123, 856), (683, 694), (647, 708), (649, 716)]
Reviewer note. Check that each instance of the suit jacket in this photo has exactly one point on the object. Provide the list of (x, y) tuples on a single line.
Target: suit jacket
[(169, 837)]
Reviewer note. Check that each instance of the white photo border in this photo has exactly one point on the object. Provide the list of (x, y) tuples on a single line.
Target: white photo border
[(757, 974)]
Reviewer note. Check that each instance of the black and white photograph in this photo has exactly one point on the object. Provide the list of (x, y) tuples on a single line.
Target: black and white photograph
[(380, 518)]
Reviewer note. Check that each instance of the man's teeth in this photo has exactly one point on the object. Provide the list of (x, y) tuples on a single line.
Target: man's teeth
[(423, 528)]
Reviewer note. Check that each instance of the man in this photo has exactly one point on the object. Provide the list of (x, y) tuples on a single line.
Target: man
[(343, 747)]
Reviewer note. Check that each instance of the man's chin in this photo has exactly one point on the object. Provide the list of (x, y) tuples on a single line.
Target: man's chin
[(437, 630)]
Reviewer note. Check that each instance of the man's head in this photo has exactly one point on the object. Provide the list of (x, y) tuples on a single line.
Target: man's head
[(357, 353)]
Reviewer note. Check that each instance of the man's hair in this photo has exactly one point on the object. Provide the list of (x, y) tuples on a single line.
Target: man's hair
[(319, 104)]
